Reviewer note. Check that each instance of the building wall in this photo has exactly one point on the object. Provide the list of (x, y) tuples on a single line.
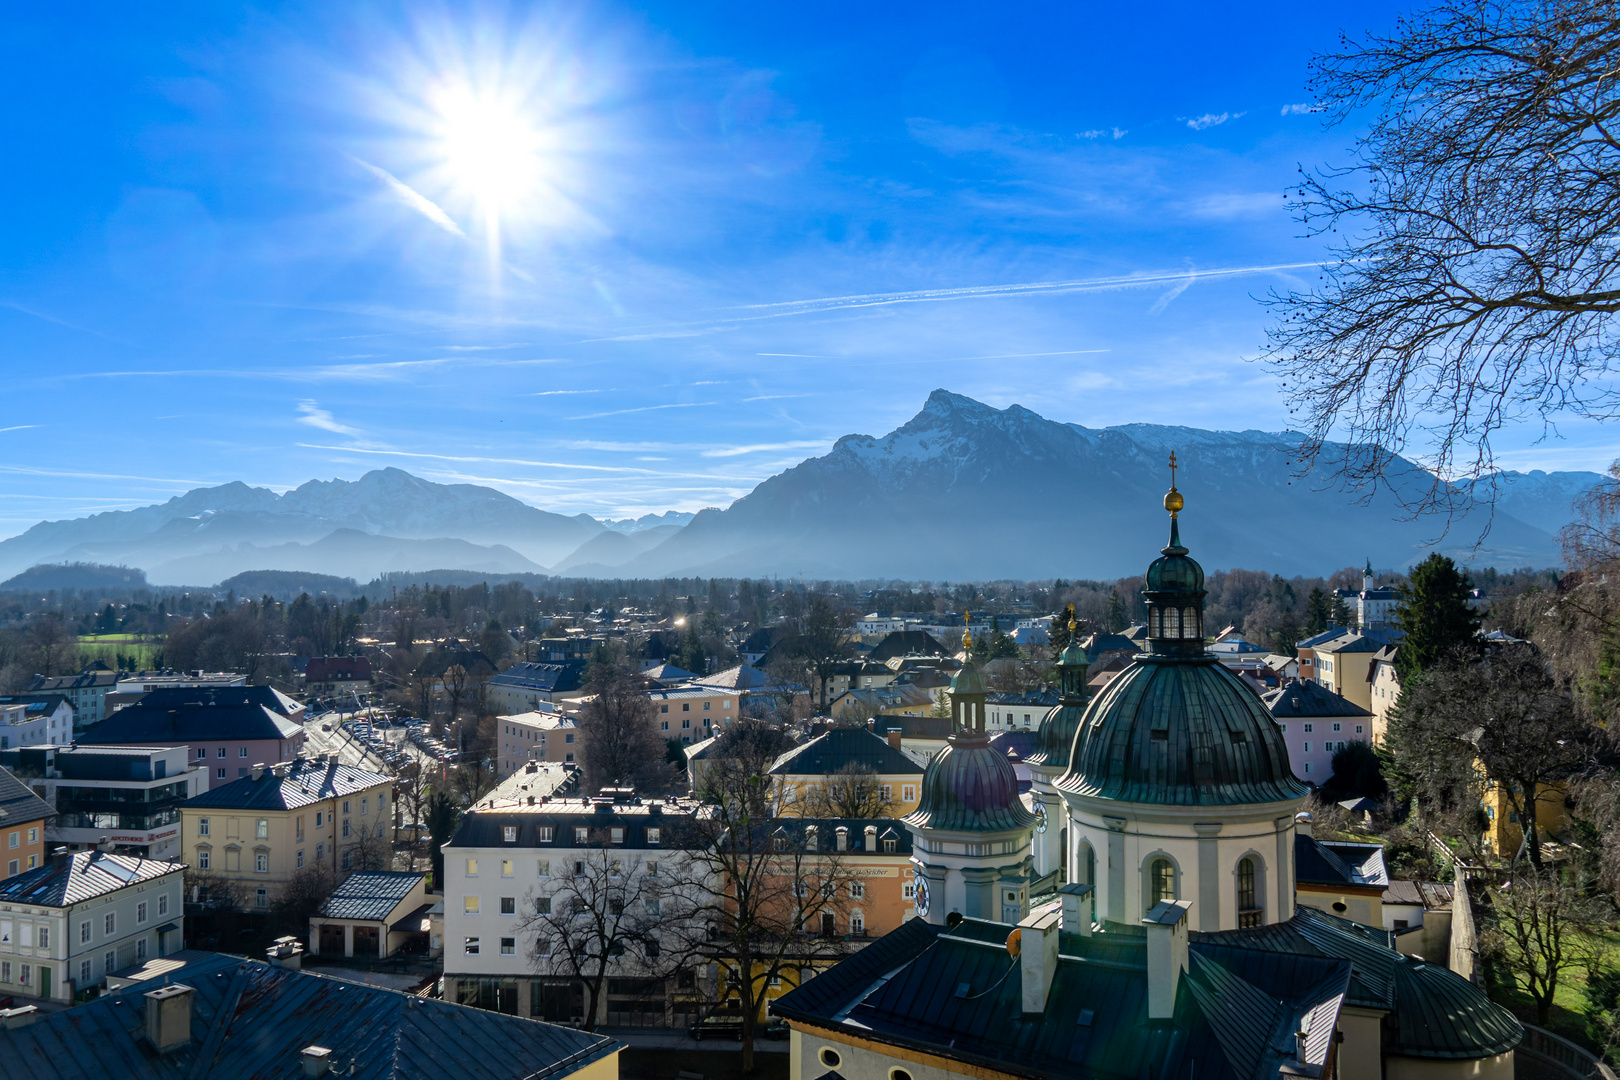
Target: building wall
[(904, 790), (238, 757), (1386, 691), (1503, 833), (1499, 1067), (533, 736), (1345, 673), (1361, 1055), (693, 717), (131, 938), (24, 847), (1366, 908), (1313, 740), (290, 840)]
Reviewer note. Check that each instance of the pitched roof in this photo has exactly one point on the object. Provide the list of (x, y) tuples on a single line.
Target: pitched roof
[(251, 1019), (18, 804), (747, 677), (1338, 862), (169, 697), (84, 679), (840, 747), (907, 643), (1303, 697), (305, 781), (187, 714), (369, 894), (546, 678), (71, 878), (37, 704), (669, 673), (337, 668)]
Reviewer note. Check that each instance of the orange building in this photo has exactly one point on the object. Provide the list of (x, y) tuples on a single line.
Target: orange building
[(22, 826)]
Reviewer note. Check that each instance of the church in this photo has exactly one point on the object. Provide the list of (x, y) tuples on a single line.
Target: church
[(1159, 910)]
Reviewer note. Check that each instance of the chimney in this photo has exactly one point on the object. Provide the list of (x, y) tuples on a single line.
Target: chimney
[(1038, 957), (1166, 955), (19, 1017), (1303, 823), (1079, 902), (168, 1017), (286, 953), (61, 858), (258, 770), (842, 833), (103, 844), (317, 1061), (871, 838), (894, 737)]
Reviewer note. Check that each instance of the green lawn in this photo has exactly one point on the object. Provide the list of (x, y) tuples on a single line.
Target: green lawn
[(1568, 1016), (108, 647)]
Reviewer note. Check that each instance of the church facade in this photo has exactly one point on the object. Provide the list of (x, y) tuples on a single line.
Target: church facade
[(1143, 915)]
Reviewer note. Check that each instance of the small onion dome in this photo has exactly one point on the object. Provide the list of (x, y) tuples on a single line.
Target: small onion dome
[(970, 787), (969, 680), (1173, 571), (1180, 731), (1072, 655), (1055, 737)]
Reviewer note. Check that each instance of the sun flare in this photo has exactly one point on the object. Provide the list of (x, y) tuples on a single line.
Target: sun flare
[(493, 152)]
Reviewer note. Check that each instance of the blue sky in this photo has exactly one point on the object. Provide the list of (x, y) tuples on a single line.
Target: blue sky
[(613, 258)]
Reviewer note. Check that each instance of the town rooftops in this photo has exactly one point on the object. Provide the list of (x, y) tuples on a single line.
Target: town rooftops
[(18, 804), (907, 643), (249, 1019), (534, 781), (1432, 895), (552, 823), (36, 705), (370, 895), (548, 718), (668, 673), (182, 715), (543, 678), (1339, 863), (1307, 698), (321, 669), (888, 836), (844, 747), (89, 678), (676, 693), (83, 875), (289, 785), (1316, 639)]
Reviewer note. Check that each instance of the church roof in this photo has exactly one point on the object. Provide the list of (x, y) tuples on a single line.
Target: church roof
[(970, 786)]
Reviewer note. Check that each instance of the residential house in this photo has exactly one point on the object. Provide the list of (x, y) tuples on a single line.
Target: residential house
[(900, 699), (86, 692), (345, 675), (372, 913), (1384, 690), (224, 1018), (133, 686), (1305, 650), (1315, 722), (921, 737), (695, 711), (23, 818), (526, 686), (255, 834), (226, 729), (517, 857), (1018, 712), (803, 771), (545, 733), (759, 642), (1504, 831), (759, 693), (81, 916), (35, 720), (1340, 877), (860, 674), (666, 674), (1103, 648), (1373, 606), (1344, 663), (126, 796), (906, 643)]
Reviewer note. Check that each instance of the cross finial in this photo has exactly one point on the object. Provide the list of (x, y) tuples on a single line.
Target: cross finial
[(1172, 470), (1172, 498)]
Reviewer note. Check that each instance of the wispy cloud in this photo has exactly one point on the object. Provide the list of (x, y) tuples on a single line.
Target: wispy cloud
[(317, 417), (554, 393), (475, 459), (646, 408), (486, 348), (52, 319), (1209, 120), (20, 427), (760, 448), (413, 198), (1103, 133), (1300, 109), (775, 397)]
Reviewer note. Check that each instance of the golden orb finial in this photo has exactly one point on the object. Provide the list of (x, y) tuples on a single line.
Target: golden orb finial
[(1173, 501), (1073, 626), (967, 635)]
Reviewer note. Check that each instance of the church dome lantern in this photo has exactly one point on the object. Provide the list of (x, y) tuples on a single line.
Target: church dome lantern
[(1175, 590)]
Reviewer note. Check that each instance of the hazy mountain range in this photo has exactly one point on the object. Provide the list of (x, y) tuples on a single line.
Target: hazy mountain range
[(962, 491)]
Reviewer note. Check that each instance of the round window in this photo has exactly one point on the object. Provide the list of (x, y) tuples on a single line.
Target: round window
[(1340, 906), (830, 1058), (899, 1074)]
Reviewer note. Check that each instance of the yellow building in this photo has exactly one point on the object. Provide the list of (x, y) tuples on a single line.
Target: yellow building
[(1503, 830), (1385, 689), (259, 832), (805, 770), (1344, 665)]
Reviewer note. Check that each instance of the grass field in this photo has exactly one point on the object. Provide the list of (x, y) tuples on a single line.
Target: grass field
[(108, 647), (1568, 1017)]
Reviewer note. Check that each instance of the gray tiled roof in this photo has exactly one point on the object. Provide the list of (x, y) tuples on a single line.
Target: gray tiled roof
[(1302, 697), (251, 1020), (18, 804), (81, 876), (840, 747), (370, 894), (307, 781)]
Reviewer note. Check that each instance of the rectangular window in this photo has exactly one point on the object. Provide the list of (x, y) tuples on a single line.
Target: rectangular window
[(15, 839), (241, 752), (345, 828), (261, 829), (163, 904), (686, 723), (508, 946), (221, 752), (365, 803), (109, 961), (45, 936), (616, 834), (569, 738), (33, 836), (84, 972), (507, 867), (109, 922), (261, 898), (1307, 768), (542, 868), (140, 912), (202, 858), (889, 845), (472, 946), (581, 834), (261, 862), (1307, 746), (663, 725), (320, 853), (908, 793), (857, 890), (542, 905), (509, 833), (1307, 729), (1358, 729), (202, 826), (221, 774), (652, 905), (706, 706), (652, 869), (508, 905), (663, 708), (25, 974), (469, 905), (1338, 727), (5, 970), (140, 949), (298, 860), (84, 932), (579, 867), (887, 791), (653, 835)]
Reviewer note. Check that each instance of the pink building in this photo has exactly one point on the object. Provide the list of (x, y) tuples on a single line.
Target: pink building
[(226, 729), (1315, 722)]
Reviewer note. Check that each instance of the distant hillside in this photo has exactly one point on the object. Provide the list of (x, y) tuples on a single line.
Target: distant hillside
[(288, 584), (83, 577)]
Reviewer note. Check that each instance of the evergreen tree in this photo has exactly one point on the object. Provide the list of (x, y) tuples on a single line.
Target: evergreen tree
[(1118, 619), (1318, 612), (1435, 615)]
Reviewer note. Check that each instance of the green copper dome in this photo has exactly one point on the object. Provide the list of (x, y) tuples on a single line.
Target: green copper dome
[(1173, 571), (969, 680), (970, 787), (1055, 736)]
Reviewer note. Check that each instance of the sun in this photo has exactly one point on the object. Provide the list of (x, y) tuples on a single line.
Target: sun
[(493, 150)]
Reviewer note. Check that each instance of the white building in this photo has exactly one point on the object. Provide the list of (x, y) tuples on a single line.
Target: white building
[(694, 712), (544, 733), (519, 856), (86, 692), (35, 720), (72, 922)]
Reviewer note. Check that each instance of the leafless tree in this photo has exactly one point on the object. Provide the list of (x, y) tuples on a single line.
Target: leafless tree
[(456, 682), (1541, 928), (601, 915), (621, 743), (854, 791), (780, 892), (1474, 272), (55, 649)]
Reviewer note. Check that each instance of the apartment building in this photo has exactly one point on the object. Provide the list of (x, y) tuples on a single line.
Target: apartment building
[(86, 692), (81, 916), (23, 818), (694, 712), (35, 720), (225, 728), (128, 796), (544, 733), (255, 834), (800, 772), (1315, 723)]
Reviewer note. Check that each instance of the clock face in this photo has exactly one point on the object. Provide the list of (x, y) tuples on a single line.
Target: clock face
[(921, 899), (1040, 819)]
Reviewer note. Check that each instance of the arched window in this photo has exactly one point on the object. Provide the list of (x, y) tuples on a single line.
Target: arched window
[(1161, 881), (1248, 897)]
